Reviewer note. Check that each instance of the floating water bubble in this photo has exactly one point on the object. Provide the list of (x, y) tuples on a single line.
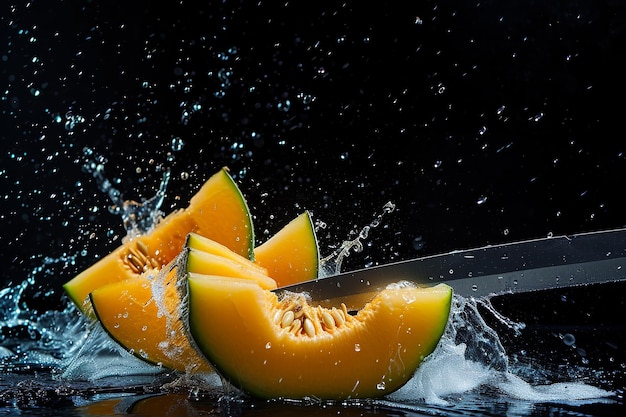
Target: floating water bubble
[(284, 106), (177, 144), (568, 339), (72, 120), (418, 243)]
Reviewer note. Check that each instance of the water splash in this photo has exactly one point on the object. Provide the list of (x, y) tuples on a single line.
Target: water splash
[(470, 357), (138, 217), (31, 340), (331, 264), (99, 357)]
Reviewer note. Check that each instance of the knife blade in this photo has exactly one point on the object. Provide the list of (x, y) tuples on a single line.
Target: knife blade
[(524, 266)]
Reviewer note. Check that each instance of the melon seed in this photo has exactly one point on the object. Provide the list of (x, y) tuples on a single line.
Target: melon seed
[(328, 320), (134, 263), (143, 249), (309, 328), (287, 319), (278, 316), (295, 326), (298, 312)]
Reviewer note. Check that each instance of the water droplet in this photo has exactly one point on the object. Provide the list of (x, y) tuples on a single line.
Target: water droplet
[(177, 144), (357, 347), (284, 106), (418, 243), (569, 339), (380, 385), (268, 345)]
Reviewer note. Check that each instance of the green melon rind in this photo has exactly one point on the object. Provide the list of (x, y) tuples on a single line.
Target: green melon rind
[(315, 244), (250, 224)]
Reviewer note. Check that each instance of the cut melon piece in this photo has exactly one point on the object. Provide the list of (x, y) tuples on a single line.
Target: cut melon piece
[(287, 348), (201, 262), (204, 244), (218, 211), (145, 325), (142, 314), (292, 254)]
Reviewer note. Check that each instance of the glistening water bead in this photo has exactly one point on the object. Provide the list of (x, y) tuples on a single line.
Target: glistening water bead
[(177, 144), (568, 339)]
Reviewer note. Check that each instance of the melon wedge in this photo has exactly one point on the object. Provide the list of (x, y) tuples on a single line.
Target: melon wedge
[(145, 325), (204, 244), (292, 254), (218, 211), (197, 261), (136, 302), (273, 348), (142, 314)]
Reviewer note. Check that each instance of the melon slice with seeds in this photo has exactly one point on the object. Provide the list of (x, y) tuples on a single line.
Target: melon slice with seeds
[(273, 347), (218, 211)]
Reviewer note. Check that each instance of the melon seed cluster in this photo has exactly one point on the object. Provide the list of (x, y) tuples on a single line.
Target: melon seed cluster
[(296, 316), (138, 258)]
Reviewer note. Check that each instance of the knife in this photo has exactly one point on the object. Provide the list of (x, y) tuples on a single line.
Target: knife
[(530, 265)]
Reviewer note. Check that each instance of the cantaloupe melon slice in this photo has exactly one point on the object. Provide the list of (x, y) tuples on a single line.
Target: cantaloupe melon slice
[(292, 254), (218, 211), (288, 348), (147, 325), (142, 313)]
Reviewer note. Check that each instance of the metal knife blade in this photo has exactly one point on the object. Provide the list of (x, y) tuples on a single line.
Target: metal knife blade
[(531, 265)]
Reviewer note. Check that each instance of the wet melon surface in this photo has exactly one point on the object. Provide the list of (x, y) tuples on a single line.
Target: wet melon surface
[(143, 315), (147, 325), (217, 211), (194, 295), (287, 348)]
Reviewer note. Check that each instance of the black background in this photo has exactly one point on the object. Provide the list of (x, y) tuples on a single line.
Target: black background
[(484, 122)]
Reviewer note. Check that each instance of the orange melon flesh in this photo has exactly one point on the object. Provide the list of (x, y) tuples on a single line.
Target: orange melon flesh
[(234, 325), (207, 263), (201, 255), (217, 211), (292, 254), (142, 314), (134, 318), (204, 244)]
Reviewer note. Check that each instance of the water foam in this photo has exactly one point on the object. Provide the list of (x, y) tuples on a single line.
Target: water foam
[(470, 357)]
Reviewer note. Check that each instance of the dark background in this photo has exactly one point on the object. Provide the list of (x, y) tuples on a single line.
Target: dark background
[(484, 122)]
